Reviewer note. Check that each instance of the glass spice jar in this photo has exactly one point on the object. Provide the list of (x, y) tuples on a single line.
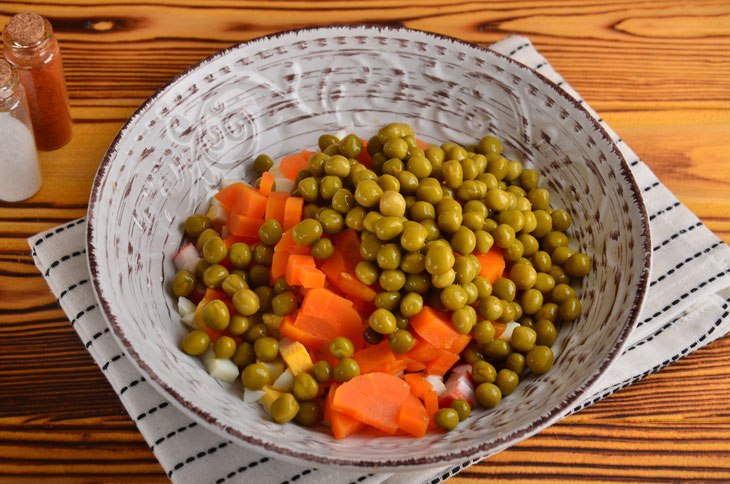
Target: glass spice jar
[(20, 175), (32, 48)]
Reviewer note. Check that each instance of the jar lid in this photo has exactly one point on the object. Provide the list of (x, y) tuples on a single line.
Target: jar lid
[(26, 28)]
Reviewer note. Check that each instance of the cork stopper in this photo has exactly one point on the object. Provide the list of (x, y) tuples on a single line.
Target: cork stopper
[(5, 72), (26, 28)]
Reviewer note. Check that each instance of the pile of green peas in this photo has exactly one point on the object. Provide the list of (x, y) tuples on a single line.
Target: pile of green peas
[(421, 214)]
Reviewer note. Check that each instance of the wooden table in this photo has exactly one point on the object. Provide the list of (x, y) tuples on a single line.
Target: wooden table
[(658, 72)]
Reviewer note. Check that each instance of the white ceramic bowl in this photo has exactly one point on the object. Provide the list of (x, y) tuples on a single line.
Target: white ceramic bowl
[(275, 95)]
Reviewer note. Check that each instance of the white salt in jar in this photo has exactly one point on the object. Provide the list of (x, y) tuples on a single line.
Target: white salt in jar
[(20, 174)]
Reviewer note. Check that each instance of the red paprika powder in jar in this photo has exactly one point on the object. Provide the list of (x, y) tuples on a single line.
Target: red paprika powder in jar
[(32, 48)]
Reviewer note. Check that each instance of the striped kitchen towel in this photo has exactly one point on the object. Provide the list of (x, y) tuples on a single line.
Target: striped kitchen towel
[(687, 307)]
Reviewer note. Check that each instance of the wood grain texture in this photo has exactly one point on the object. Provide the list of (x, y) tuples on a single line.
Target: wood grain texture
[(658, 72)]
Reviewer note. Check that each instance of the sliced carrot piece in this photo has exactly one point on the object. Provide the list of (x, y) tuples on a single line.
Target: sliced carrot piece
[(290, 165), (442, 364), (431, 402), (293, 266), (419, 385), (395, 367), (333, 266), (492, 263), (275, 206), (242, 225), (310, 277), (412, 417), (212, 293), (375, 358), (267, 184), (290, 330), (249, 202), (327, 315), (342, 425), (229, 194), (374, 398), (292, 212), (436, 328), (351, 286), (278, 265), (287, 244), (347, 243)]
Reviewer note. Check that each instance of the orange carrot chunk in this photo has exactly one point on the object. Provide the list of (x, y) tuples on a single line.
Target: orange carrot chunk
[(267, 184), (294, 265), (310, 277), (290, 165), (431, 402), (375, 358), (243, 225), (374, 398), (342, 425), (249, 202), (351, 286), (290, 330), (412, 417), (229, 194), (275, 206), (492, 263), (436, 328), (419, 385), (292, 212)]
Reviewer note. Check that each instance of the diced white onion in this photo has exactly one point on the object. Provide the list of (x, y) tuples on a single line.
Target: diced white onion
[(285, 382)]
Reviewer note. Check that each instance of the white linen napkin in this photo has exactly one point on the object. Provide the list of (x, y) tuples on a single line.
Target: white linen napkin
[(687, 307)]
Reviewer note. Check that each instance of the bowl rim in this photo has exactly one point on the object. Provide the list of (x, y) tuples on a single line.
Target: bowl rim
[(395, 464)]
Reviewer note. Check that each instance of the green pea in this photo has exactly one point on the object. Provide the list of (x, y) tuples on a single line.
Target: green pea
[(507, 381), (346, 369), (322, 371), (341, 347), (463, 240), (389, 256), (489, 146), (263, 254), (284, 408), (215, 315), (183, 284), (328, 186), (543, 224), (284, 303), (244, 354), (240, 255), (418, 283), (431, 228), (392, 279), (523, 275), (464, 319), (266, 348), (309, 189), (454, 297), (504, 288), (343, 200), (483, 332), (497, 349), (430, 190), (354, 218), (462, 407), (323, 249), (258, 275), (446, 418), (387, 228), (483, 372), (504, 236), (491, 308), (326, 140), (309, 414), (483, 241), (529, 179), (257, 331), (255, 376), (545, 332), (570, 309), (214, 276), (542, 261), (539, 359), (215, 250), (382, 321), (246, 302), (196, 225), (395, 148), (270, 232), (401, 341), (305, 387), (204, 236), (371, 336), (544, 282), (307, 232), (413, 237), (196, 342), (422, 210), (439, 259), (578, 265), (488, 395), (408, 182), (444, 279), (351, 146), (368, 193), (239, 324)]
